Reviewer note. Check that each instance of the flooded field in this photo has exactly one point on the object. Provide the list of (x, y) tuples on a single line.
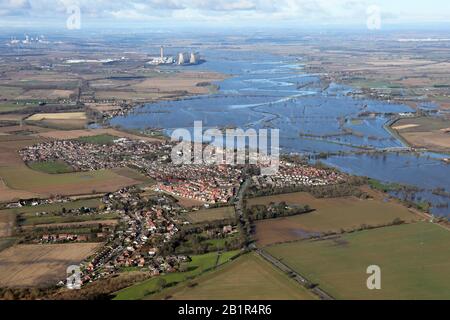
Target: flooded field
[(267, 91)]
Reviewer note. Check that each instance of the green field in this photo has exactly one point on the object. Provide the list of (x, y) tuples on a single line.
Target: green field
[(208, 244), (102, 139), (226, 256), (59, 124), (27, 183), (52, 219), (52, 167), (75, 230), (384, 187), (369, 84), (330, 215), (23, 178), (219, 244), (134, 174), (7, 107), (29, 211), (197, 266), (249, 277), (211, 214), (414, 261), (336, 213), (357, 213)]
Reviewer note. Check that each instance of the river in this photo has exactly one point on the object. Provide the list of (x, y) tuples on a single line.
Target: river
[(270, 91)]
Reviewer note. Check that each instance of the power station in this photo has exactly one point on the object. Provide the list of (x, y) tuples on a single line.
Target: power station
[(183, 58)]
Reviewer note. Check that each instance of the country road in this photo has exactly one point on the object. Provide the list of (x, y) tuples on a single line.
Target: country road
[(240, 197), (238, 203)]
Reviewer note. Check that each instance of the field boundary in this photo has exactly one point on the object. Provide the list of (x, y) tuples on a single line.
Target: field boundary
[(295, 275), (389, 127)]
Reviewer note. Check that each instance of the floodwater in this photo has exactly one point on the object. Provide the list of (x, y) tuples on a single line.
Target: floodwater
[(267, 91)]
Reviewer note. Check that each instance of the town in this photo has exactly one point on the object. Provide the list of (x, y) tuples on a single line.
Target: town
[(206, 183), (146, 225)]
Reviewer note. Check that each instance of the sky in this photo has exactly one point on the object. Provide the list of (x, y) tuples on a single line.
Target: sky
[(222, 12)]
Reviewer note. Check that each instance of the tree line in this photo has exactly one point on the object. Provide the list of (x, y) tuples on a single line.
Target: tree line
[(276, 210)]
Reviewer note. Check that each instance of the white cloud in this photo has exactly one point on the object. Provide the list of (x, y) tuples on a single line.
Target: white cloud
[(14, 7), (308, 11)]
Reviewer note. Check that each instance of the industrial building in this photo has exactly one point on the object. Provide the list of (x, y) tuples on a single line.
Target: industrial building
[(184, 58), (161, 60)]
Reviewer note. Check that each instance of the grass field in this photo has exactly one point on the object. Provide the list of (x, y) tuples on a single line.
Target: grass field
[(7, 107), (40, 265), (384, 187), (219, 244), (414, 261), (249, 277), (224, 257), (18, 181), (103, 139), (53, 219), (330, 215), (76, 134), (88, 226), (18, 131), (52, 167), (368, 84), (197, 266), (60, 125), (29, 211), (23, 178), (189, 203), (212, 214), (134, 174)]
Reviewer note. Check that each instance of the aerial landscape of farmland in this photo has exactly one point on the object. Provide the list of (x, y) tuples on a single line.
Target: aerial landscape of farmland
[(145, 155)]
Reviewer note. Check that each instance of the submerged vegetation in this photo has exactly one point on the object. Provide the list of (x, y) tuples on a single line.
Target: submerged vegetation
[(386, 187)]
